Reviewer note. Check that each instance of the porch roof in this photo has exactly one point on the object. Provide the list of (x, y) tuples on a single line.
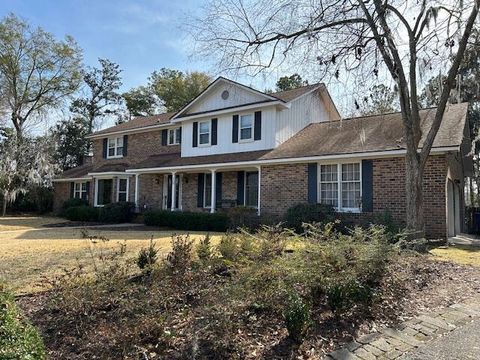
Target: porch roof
[(75, 173)]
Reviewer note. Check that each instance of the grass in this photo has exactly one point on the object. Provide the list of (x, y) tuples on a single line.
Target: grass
[(30, 257), (465, 255)]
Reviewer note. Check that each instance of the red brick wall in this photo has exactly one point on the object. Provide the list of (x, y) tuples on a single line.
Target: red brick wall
[(62, 194), (285, 185)]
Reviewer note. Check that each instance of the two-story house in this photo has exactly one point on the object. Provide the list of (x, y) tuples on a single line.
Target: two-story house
[(233, 145)]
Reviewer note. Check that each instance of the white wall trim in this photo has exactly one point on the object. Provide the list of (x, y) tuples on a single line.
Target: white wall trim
[(130, 131), (73, 179), (307, 159)]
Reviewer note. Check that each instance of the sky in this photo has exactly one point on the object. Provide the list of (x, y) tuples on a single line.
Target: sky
[(140, 36)]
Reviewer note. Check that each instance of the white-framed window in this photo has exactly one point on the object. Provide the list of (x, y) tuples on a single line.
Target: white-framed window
[(115, 147), (204, 133), (340, 186), (174, 136), (122, 189), (207, 190), (80, 190), (245, 128), (251, 189)]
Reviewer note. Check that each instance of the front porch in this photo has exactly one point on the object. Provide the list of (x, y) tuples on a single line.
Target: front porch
[(204, 190)]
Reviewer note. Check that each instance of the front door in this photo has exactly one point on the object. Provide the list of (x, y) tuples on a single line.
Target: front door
[(167, 192)]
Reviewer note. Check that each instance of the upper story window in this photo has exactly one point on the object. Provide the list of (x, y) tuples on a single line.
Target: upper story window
[(204, 133), (174, 136), (246, 127), (340, 186), (115, 147), (80, 190)]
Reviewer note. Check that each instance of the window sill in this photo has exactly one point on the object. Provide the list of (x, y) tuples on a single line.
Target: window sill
[(245, 141), (348, 211), (115, 157), (204, 145)]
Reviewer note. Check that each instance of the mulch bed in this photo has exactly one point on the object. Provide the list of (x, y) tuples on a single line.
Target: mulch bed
[(417, 284)]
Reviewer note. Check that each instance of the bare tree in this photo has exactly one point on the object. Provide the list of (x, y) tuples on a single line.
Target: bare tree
[(397, 39), (37, 72)]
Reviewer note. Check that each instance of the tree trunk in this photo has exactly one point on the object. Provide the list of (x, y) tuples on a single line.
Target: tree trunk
[(414, 192), (4, 205), (472, 193)]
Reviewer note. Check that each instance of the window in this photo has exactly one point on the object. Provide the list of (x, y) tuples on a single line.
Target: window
[(246, 127), (80, 190), (207, 191), (329, 185), (174, 136), (115, 147), (351, 196), (251, 189), (340, 186), (204, 133), (122, 189), (104, 189)]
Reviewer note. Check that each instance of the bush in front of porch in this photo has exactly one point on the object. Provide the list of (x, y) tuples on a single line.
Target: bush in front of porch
[(187, 220), (115, 213)]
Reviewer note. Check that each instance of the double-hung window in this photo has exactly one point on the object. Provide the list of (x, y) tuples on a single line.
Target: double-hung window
[(340, 186), (174, 136), (122, 189), (80, 190), (251, 189), (207, 191), (246, 127), (204, 132), (115, 147)]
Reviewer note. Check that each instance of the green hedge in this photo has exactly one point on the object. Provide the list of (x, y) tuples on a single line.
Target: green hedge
[(116, 213), (81, 213), (187, 220), (18, 339), (308, 213)]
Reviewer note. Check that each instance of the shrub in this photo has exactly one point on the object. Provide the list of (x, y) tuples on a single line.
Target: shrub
[(74, 202), (116, 213), (308, 213), (81, 213), (229, 247), (187, 220), (297, 317), (147, 257), (242, 217), (18, 339), (204, 249), (342, 296), (179, 258)]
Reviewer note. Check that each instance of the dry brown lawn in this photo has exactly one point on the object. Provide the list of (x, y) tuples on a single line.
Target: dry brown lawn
[(30, 257), (464, 255)]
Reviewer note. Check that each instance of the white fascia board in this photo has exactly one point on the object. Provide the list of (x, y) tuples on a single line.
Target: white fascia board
[(72, 179), (307, 159), (232, 110), (109, 174), (130, 131)]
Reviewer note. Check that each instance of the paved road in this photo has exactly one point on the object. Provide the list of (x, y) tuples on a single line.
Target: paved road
[(461, 344)]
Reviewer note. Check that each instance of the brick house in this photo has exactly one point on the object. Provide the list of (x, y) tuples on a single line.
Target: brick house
[(233, 145)]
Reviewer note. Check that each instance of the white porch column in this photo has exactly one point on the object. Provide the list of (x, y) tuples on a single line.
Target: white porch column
[(259, 187), (180, 191), (213, 198), (174, 178), (137, 177)]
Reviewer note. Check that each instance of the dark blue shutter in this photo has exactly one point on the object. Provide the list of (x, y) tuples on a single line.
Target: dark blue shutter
[(88, 190), (214, 131), (201, 181), (195, 134), (367, 185), (312, 183), (241, 188), (164, 137), (105, 148), (235, 129), (125, 145), (257, 132), (72, 189), (218, 190)]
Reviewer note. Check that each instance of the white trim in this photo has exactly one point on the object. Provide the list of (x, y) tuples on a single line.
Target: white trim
[(118, 188), (137, 177), (73, 179), (252, 128), (209, 122), (233, 110), (80, 191), (115, 148), (306, 159), (129, 131), (109, 174), (175, 142)]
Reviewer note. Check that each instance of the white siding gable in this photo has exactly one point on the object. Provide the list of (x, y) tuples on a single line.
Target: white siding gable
[(212, 99), (303, 111)]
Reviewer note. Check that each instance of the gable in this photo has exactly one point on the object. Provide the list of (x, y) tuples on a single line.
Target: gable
[(221, 94)]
